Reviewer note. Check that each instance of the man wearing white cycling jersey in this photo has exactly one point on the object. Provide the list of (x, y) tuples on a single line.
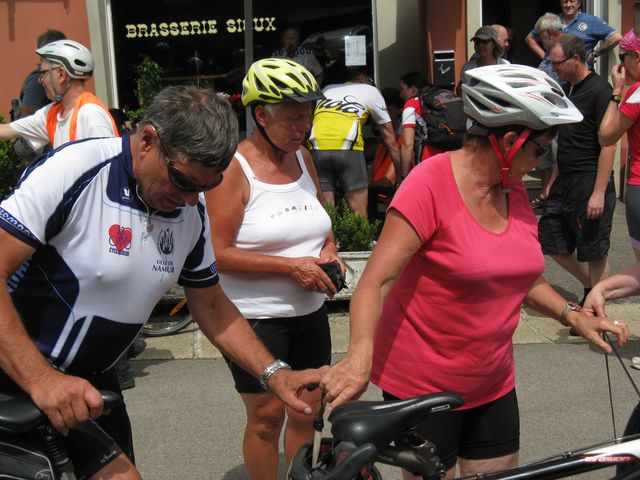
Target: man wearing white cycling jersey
[(92, 237)]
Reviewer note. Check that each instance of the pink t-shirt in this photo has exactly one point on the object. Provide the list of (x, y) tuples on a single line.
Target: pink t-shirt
[(448, 322), (630, 107)]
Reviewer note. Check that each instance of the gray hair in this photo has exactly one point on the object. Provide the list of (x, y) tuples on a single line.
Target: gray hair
[(549, 22), (195, 122)]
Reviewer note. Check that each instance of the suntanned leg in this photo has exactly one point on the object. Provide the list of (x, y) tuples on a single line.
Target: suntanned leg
[(357, 200), (265, 416), (120, 468), (578, 269), (471, 467), (599, 270), (299, 427), (329, 197)]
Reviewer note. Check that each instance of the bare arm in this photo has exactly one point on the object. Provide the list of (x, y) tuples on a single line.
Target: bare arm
[(7, 133), (389, 139), (614, 124), (65, 399), (398, 242), (535, 46), (595, 206), (407, 148), (606, 45), (621, 285), (544, 299), (225, 327)]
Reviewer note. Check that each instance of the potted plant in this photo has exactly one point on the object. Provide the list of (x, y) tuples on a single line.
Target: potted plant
[(355, 238)]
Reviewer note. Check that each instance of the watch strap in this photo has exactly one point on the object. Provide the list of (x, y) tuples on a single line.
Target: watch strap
[(568, 308), (269, 370)]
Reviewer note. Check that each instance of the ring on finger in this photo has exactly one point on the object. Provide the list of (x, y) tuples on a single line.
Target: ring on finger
[(617, 322)]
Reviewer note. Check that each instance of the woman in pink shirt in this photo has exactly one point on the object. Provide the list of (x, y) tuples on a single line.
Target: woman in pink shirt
[(440, 298)]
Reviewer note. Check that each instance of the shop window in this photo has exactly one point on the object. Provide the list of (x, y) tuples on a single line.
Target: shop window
[(202, 42)]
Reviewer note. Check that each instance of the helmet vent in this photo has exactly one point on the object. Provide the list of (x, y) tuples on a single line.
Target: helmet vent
[(556, 100)]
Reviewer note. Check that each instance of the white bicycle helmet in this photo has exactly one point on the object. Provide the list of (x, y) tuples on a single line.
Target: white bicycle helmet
[(500, 95), (76, 59)]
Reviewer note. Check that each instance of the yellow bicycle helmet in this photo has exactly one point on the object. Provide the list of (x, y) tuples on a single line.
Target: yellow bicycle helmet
[(276, 80)]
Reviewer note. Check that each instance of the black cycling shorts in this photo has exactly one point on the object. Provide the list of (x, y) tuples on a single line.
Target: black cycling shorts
[(564, 227), (302, 342), (489, 431), (95, 443)]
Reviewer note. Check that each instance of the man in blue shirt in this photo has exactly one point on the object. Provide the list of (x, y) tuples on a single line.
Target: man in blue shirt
[(588, 28)]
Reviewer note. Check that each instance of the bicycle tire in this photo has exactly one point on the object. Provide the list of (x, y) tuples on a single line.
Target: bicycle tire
[(169, 316)]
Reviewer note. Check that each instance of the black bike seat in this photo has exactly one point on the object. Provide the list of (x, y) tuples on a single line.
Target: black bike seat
[(382, 422), (18, 413)]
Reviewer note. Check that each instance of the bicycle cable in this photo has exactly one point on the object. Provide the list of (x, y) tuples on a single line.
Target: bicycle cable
[(605, 336)]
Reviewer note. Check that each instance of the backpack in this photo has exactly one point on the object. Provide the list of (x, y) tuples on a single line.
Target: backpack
[(444, 122)]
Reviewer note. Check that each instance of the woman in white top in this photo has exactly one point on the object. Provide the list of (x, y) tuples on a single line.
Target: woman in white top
[(271, 234)]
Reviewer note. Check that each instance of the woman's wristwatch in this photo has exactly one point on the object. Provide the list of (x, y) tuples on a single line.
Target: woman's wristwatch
[(568, 308), (269, 370)]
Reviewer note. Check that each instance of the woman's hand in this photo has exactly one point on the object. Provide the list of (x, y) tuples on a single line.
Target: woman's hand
[(347, 379), (590, 328), (306, 272), (618, 75)]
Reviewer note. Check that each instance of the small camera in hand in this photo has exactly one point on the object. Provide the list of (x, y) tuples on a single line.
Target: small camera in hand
[(335, 274)]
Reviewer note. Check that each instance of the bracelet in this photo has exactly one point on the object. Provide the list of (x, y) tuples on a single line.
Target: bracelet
[(616, 98), (269, 370), (568, 308)]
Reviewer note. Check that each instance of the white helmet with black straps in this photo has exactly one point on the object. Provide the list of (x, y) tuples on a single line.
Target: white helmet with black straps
[(74, 57), (501, 95)]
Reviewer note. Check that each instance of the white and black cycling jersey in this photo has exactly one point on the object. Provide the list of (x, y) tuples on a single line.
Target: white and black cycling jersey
[(102, 260)]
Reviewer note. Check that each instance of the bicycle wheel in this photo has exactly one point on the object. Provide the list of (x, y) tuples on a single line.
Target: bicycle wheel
[(169, 316)]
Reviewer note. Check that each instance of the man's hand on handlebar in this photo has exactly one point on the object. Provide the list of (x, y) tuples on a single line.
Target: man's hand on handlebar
[(65, 399), (289, 384), (346, 380)]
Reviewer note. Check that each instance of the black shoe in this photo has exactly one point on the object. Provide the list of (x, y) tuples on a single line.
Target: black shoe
[(136, 348), (584, 297), (573, 332)]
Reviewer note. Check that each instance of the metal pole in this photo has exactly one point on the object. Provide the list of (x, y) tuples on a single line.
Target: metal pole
[(248, 54)]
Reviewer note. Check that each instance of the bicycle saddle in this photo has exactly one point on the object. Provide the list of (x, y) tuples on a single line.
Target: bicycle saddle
[(382, 422), (18, 413)]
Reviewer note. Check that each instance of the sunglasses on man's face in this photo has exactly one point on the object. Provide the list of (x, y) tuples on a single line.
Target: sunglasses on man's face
[(178, 179), (541, 150)]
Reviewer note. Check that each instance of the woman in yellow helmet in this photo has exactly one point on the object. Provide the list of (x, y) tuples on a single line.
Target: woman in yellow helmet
[(271, 236)]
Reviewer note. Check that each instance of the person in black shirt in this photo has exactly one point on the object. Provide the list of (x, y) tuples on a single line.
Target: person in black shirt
[(576, 222)]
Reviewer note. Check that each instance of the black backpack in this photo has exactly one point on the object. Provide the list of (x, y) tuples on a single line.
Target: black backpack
[(444, 122)]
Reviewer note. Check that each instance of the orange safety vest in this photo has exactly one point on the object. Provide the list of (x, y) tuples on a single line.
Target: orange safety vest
[(83, 99)]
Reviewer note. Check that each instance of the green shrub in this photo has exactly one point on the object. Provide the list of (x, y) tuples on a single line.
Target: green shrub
[(11, 167), (148, 84), (354, 233)]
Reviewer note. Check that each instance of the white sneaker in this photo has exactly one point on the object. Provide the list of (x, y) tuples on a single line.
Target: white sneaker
[(635, 362)]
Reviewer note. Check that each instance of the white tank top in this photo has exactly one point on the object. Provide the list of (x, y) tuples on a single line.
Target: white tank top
[(284, 220)]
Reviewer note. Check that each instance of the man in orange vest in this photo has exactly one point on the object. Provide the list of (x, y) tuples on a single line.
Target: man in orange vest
[(75, 112)]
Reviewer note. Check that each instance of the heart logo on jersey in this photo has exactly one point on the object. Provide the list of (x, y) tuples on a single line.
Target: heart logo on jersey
[(120, 237)]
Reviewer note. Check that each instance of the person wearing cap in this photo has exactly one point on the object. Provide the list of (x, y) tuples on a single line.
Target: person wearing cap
[(623, 116), (440, 297), (272, 238), (488, 51), (75, 113), (588, 28)]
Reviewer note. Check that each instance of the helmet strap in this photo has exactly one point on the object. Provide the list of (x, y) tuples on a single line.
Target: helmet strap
[(260, 129), (506, 162), (57, 97)]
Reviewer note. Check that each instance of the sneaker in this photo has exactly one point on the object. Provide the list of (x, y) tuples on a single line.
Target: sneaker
[(573, 332), (635, 362)]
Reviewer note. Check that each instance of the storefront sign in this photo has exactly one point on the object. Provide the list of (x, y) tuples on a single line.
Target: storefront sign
[(196, 27)]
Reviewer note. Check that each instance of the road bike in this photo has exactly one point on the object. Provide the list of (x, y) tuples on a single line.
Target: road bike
[(170, 315), (30, 447), (363, 431)]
